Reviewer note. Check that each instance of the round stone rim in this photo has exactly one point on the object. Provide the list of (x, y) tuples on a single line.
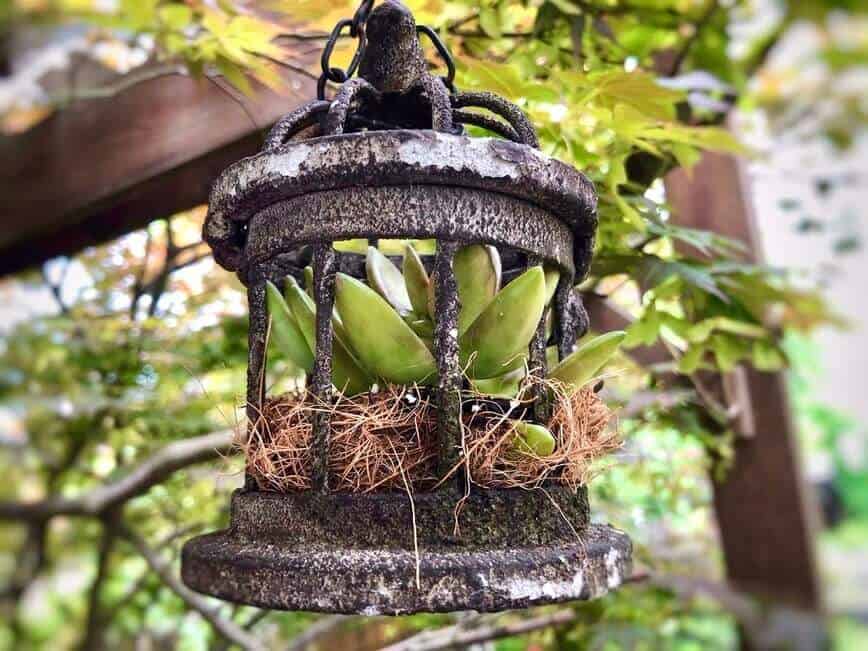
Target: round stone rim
[(389, 158), (276, 576)]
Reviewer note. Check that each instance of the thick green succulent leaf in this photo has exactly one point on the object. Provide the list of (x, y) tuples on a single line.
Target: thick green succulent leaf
[(553, 276), (552, 357), (583, 365), (384, 343), (477, 273), (388, 280), (498, 340), (347, 373), (285, 332), (534, 439), (422, 326), (416, 280), (308, 281), (505, 386)]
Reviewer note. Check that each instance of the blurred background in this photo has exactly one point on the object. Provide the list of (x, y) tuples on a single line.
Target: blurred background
[(728, 142)]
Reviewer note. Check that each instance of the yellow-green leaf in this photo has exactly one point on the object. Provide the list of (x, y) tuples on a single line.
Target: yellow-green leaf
[(347, 374), (416, 280), (381, 339), (308, 281), (553, 276), (497, 342), (477, 273), (533, 439), (285, 332), (584, 365), (387, 279), (506, 386)]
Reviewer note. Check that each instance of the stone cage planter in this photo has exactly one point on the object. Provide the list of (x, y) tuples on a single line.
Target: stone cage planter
[(388, 159)]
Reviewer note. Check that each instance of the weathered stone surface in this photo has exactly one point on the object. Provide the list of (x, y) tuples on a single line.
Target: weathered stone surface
[(355, 554), (409, 212), (396, 158)]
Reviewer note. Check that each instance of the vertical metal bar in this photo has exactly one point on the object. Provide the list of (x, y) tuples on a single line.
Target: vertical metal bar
[(324, 265), (538, 367), (572, 319), (446, 353), (256, 359)]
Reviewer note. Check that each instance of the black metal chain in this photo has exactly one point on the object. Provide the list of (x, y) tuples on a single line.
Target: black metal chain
[(356, 27), (444, 53)]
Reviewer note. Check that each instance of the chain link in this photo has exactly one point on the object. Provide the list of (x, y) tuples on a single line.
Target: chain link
[(444, 53), (355, 27)]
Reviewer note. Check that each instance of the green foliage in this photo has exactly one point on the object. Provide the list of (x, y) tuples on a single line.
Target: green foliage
[(97, 392), (217, 36), (582, 366)]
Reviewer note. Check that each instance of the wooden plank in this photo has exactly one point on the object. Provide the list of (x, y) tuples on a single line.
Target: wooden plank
[(100, 168), (766, 515)]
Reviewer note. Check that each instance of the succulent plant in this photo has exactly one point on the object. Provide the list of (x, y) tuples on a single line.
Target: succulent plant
[(383, 330)]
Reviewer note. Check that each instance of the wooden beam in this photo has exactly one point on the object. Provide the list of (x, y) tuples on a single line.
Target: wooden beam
[(100, 168), (766, 515)]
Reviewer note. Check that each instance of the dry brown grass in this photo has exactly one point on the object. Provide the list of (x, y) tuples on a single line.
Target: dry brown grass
[(380, 439), (580, 424), (374, 437)]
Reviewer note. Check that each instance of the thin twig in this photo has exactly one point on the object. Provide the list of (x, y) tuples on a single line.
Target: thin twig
[(138, 289), (57, 288), (320, 628), (229, 91), (154, 470), (289, 66), (689, 42), (310, 36), (459, 635)]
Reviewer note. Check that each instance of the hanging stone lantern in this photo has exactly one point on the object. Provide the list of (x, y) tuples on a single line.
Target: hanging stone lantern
[(387, 159)]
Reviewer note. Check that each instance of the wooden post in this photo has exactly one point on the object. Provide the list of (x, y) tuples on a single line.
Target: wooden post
[(767, 518)]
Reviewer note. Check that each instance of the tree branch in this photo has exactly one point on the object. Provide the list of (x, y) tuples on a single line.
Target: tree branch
[(315, 631), (152, 471), (140, 582), (459, 636), (682, 53), (224, 627), (92, 639)]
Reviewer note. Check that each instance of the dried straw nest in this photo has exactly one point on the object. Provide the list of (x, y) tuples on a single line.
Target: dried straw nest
[(387, 441)]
